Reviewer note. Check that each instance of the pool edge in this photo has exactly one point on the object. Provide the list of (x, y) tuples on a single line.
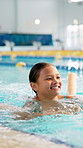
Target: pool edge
[(13, 138)]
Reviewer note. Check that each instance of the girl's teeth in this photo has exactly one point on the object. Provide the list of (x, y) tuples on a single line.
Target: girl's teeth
[(55, 87)]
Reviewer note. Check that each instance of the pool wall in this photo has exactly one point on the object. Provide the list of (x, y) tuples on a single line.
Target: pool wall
[(54, 53)]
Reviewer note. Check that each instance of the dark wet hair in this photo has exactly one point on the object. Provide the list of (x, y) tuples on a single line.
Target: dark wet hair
[(35, 71)]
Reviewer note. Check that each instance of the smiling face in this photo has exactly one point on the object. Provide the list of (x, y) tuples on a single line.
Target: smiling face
[(49, 83)]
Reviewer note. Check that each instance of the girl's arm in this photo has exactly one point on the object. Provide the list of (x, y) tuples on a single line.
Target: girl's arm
[(9, 107), (19, 112)]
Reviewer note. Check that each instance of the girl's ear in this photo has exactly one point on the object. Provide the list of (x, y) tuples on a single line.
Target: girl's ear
[(33, 86)]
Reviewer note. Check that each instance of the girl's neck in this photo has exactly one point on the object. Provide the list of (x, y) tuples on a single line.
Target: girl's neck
[(45, 100)]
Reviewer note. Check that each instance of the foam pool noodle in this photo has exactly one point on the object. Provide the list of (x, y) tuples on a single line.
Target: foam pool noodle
[(72, 83)]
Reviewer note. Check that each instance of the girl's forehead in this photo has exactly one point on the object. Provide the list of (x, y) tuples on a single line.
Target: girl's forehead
[(50, 69)]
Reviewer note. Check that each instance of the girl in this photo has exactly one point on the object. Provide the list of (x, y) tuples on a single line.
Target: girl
[(46, 82)]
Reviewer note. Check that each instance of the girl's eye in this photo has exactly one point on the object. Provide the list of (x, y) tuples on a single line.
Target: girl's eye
[(58, 77), (49, 79)]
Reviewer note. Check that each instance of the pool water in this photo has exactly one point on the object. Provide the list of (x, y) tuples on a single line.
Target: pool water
[(15, 90)]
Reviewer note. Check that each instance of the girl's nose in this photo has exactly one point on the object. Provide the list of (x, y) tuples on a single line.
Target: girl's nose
[(56, 80)]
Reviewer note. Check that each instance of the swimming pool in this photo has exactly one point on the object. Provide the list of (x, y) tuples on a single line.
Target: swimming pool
[(14, 88)]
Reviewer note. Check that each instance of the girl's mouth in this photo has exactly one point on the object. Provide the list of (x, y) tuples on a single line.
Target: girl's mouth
[(55, 87)]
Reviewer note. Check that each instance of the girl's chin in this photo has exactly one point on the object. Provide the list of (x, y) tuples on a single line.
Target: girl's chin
[(55, 94), (56, 91)]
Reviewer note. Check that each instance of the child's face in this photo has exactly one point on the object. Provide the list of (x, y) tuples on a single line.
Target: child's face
[(49, 83)]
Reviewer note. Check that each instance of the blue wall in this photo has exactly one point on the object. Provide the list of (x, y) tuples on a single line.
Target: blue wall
[(26, 39)]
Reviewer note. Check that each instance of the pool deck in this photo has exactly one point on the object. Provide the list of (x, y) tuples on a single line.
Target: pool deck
[(16, 139)]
